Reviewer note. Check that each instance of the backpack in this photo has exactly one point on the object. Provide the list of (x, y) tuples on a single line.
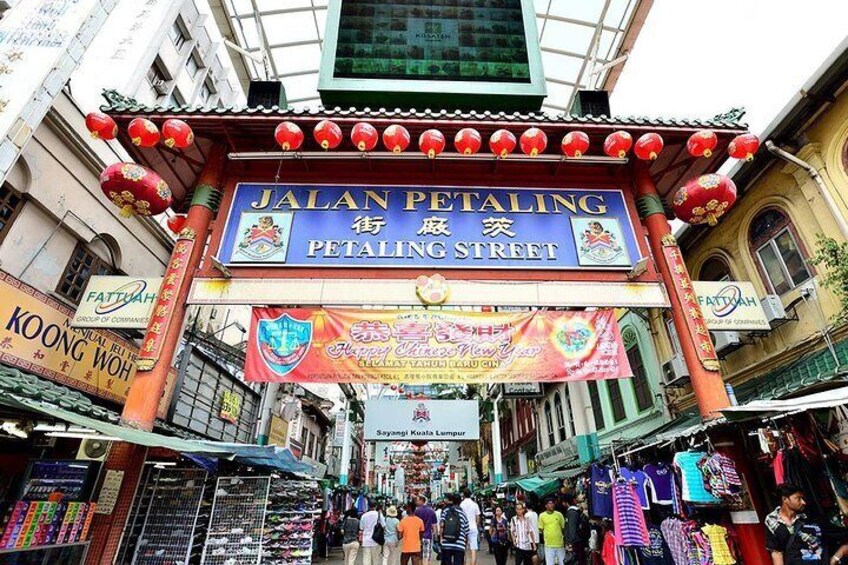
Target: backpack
[(379, 535), (452, 530)]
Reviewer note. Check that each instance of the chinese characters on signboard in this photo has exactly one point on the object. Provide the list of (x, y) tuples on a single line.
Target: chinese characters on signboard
[(414, 346), (448, 227)]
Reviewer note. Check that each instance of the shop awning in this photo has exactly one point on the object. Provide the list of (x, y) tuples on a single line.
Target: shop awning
[(765, 408), (17, 397), (538, 486)]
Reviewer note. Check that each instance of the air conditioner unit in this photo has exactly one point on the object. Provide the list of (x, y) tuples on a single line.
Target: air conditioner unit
[(160, 86), (725, 340), (773, 308), (94, 449), (675, 370)]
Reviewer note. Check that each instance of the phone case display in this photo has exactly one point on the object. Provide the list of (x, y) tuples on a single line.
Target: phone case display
[(37, 523), (173, 507), (73, 479), (237, 521), (293, 507)]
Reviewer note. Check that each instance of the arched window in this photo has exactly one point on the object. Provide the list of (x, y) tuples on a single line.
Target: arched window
[(715, 269), (549, 423), (570, 418), (597, 408), (559, 416), (774, 242), (641, 386)]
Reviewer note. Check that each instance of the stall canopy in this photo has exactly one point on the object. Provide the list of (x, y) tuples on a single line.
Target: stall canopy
[(766, 408), (14, 386), (538, 486)]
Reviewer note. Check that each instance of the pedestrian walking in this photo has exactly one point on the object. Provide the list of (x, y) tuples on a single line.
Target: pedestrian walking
[(523, 535), (472, 515), (410, 531), (372, 525), (391, 549), (428, 516), (350, 536), (533, 518), (499, 532), (453, 530), (551, 526), (576, 529)]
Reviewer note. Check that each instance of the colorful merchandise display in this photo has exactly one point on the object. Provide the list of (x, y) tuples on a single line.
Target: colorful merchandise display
[(293, 507), (236, 525)]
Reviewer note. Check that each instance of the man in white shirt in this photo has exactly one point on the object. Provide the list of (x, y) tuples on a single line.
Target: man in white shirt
[(472, 511), (372, 552), (533, 518)]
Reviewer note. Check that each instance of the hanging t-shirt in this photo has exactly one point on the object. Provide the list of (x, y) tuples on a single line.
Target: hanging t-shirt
[(601, 488), (692, 479), (661, 481), (717, 536), (609, 555), (640, 481), (628, 519), (779, 475), (657, 551)]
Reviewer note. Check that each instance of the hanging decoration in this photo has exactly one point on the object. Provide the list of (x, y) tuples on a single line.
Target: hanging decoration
[(328, 134), (705, 199), (502, 143), (289, 136), (135, 189), (744, 146), (177, 223), (648, 147), (468, 141), (396, 138), (143, 132), (533, 141), (101, 126), (177, 133), (617, 144), (575, 144), (364, 136), (702, 143), (431, 143)]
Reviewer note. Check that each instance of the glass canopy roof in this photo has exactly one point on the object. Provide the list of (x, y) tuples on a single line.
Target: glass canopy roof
[(584, 43)]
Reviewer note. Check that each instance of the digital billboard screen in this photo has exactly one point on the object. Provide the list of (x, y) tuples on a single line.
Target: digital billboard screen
[(432, 40)]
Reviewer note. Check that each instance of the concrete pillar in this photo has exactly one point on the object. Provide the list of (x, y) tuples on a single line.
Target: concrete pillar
[(497, 461), (344, 464)]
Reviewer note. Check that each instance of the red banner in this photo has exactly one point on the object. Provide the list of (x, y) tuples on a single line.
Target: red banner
[(428, 346)]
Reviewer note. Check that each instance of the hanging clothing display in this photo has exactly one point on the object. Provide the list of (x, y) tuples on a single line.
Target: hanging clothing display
[(657, 551), (720, 476), (660, 480), (609, 554), (717, 537), (628, 518), (777, 464), (692, 479), (640, 480), (601, 489)]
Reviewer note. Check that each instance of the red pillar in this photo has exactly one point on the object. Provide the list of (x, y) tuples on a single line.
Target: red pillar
[(698, 351), (701, 360), (166, 324)]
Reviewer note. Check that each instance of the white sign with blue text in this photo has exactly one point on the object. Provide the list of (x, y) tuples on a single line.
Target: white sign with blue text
[(421, 420)]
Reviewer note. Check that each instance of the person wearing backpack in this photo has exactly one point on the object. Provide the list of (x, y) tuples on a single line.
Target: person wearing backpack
[(372, 525), (453, 531)]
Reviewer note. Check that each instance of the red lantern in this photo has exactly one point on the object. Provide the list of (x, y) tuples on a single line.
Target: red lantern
[(135, 189), (101, 126), (701, 143), (442, 468), (533, 141), (177, 223), (468, 141), (328, 134), (364, 136), (143, 133), (744, 146), (575, 144), (396, 138), (393, 387), (705, 199), (502, 143), (288, 136), (648, 146), (617, 144), (177, 133), (431, 143)]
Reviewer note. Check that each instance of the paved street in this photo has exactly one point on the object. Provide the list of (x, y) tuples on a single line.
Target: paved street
[(336, 558)]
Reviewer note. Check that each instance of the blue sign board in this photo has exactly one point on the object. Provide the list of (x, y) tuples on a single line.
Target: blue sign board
[(428, 226)]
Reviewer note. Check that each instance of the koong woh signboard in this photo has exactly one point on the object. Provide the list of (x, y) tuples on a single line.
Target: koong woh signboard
[(388, 419)]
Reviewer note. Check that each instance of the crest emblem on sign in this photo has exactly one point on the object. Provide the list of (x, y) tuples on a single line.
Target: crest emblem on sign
[(262, 239), (420, 414), (283, 343), (600, 244)]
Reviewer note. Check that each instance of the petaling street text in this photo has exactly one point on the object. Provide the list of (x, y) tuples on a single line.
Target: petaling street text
[(484, 250), (524, 202)]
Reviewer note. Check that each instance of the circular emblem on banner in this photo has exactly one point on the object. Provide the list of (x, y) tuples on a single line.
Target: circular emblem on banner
[(574, 337), (432, 290)]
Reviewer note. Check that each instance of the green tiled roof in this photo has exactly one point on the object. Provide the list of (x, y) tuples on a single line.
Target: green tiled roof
[(818, 367), (728, 120)]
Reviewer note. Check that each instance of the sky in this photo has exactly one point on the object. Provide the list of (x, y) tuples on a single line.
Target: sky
[(697, 58)]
